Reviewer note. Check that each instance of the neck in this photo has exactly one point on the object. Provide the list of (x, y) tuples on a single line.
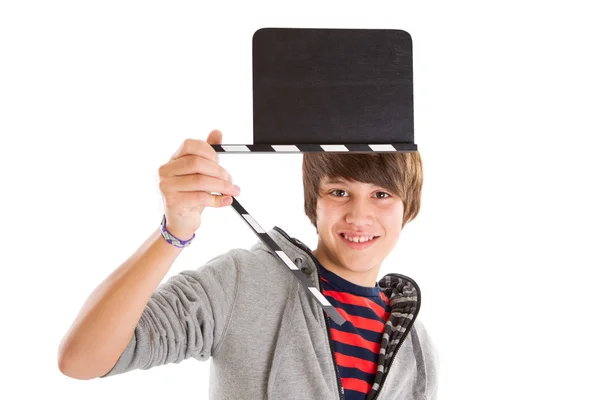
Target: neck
[(362, 278)]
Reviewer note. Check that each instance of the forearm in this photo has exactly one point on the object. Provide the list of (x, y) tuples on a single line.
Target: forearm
[(106, 322)]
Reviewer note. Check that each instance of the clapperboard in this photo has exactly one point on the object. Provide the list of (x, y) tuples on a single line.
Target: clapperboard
[(328, 90)]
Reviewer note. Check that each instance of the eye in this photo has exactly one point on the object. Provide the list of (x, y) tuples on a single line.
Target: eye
[(337, 190), (387, 194)]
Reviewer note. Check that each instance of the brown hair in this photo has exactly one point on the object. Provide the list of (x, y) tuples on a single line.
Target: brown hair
[(400, 173)]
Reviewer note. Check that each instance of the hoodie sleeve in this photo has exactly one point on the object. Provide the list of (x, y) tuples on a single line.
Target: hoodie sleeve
[(186, 316)]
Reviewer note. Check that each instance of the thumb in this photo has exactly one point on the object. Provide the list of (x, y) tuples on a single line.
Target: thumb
[(215, 137)]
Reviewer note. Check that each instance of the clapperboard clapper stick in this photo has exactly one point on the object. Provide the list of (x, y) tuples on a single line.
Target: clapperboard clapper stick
[(328, 90), (308, 285), (312, 148)]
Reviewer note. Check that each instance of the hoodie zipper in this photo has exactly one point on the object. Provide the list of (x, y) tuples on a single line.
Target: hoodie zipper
[(303, 247)]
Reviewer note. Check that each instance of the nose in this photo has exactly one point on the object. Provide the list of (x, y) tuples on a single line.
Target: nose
[(359, 213)]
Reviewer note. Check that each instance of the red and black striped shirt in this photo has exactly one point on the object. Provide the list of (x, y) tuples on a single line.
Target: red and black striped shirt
[(357, 342)]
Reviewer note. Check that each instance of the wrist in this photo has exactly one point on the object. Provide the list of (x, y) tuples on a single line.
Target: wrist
[(183, 235), (175, 236)]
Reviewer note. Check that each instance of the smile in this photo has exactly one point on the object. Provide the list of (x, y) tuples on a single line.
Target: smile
[(357, 244)]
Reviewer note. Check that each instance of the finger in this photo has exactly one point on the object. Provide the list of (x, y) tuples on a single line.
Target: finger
[(222, 201), (215, 137), (191, 183), (191, 164), (195, 199), (196, 147)]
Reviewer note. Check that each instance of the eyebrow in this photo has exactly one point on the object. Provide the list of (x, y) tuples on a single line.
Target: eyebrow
[(332, 181), (340, 181)]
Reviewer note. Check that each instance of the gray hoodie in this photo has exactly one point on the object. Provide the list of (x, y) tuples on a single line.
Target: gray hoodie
[(267, 337)]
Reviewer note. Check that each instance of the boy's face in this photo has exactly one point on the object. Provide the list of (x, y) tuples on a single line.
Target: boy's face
[(357, 209)]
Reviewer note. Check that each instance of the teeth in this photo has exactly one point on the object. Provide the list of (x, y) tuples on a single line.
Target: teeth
[(358, 239)]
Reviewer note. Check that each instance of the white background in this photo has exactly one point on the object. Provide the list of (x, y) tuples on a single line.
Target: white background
[(95, 96)]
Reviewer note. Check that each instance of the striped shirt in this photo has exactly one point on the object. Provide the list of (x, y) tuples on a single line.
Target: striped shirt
[(357, 342)]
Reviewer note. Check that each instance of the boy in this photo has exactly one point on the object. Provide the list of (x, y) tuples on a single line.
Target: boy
[(267, 337)]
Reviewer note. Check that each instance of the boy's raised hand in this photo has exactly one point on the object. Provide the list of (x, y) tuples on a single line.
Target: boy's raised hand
[(186, 183)]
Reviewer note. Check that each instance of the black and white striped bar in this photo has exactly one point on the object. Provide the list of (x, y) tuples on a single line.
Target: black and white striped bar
[(314, 148), (308, 285)]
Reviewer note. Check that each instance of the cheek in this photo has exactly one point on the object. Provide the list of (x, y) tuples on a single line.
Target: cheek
[(391, 214), (318, 211), (391, 218), (326, 213)]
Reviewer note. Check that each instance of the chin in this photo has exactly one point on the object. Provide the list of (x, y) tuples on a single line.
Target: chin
[(358, 266)]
